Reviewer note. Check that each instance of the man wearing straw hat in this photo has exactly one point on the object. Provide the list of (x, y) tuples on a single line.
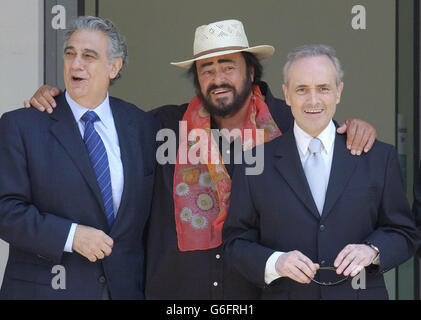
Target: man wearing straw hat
[(184, 255)]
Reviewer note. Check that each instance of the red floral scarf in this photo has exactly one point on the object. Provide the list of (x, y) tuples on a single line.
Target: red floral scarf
[(202, 190)]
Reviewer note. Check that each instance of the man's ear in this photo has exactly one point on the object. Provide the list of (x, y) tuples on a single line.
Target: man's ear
[(252, 74), (285, 90), (339, 92), (116, 66)]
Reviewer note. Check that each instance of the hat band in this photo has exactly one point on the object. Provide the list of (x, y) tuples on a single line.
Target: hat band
[(217, 50)]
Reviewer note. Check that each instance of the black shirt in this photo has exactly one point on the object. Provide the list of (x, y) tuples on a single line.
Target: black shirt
[(202, 274)]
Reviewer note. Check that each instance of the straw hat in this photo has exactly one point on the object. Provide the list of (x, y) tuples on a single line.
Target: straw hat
[(222, 37)]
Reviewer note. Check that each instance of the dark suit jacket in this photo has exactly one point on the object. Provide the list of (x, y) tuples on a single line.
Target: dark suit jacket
[(47, 182), (365, 201)]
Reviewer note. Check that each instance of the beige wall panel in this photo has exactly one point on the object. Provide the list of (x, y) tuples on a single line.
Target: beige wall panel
[(161, 31)]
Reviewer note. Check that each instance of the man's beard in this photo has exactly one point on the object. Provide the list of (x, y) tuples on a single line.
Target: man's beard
[(222, 109)]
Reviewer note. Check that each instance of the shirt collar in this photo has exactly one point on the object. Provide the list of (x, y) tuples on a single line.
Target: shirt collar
[(103, 110), (327, 137)]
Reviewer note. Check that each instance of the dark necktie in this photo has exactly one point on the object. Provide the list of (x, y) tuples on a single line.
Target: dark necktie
[(99, 160)]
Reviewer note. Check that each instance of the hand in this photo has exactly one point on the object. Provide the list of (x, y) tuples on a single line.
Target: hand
[(353, 258), (296, 266), (92, 243), (43, 99), (359, 135)]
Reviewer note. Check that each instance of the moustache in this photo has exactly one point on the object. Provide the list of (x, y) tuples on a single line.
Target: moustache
[(222, 86)]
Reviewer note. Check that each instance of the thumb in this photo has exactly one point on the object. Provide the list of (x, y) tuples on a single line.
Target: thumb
[(342, 128)]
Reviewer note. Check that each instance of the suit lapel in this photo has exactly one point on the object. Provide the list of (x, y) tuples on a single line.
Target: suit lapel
[(343, 166), (288, 163), (131, 158), (65, 129)]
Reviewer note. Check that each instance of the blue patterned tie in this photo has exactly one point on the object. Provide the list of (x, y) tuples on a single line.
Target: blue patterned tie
[(99, 160), (314, 170)]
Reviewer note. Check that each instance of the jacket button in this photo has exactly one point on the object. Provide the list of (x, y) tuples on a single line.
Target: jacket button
[(322, 263), (322, 227), (102, 279)]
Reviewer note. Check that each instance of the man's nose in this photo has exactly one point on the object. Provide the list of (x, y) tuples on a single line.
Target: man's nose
[(219, 77), (77, 63), (314, 99)]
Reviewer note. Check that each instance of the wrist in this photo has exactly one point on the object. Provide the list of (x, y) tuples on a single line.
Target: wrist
[(376, 258)]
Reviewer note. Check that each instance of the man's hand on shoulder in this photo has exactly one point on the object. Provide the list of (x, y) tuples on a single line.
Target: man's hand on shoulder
[(43, 99), (360, 135)]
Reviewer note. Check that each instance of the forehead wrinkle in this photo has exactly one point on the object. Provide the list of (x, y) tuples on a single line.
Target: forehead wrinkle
[(313, 67)]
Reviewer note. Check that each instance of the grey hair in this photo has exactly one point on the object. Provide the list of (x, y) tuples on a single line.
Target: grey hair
[(117, 47), (314, 51)]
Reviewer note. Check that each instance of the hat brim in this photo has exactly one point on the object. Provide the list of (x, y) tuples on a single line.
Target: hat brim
[(261, 52)]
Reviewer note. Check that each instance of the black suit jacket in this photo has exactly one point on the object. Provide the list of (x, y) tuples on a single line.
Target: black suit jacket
[(275, 211), (47, 182)]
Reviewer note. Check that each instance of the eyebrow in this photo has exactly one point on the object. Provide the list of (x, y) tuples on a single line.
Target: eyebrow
[(86, 50), (219, 61), (318, 85), (91, 51), (69, 47)]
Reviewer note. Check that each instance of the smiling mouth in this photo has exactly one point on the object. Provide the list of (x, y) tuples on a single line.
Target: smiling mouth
[(220, 91), (314, 111)]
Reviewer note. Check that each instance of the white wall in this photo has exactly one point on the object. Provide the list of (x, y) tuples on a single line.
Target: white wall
[(21, 51), (21, 61)]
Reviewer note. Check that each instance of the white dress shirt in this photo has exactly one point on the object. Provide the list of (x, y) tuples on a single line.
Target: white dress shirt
[(108, 133), (302, 139)]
